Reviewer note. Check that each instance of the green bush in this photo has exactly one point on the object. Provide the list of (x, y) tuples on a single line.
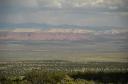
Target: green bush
[(42, 77)]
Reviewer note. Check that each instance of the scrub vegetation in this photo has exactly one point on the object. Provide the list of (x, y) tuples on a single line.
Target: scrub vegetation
[(63, 72)]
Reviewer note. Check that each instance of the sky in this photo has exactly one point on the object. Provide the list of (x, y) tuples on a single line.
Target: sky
[(60, 12)]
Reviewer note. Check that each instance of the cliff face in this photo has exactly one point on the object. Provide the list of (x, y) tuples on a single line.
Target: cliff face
[(42, 36), (63, 34), (45, 34)]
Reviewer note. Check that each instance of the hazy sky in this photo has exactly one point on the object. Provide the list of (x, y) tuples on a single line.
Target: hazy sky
[(57, 12)]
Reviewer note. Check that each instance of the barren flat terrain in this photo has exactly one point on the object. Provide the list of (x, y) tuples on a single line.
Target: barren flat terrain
[(58, 50)]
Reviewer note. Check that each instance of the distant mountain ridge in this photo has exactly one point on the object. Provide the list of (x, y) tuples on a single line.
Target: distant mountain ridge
[(61, 34), (50, 34)]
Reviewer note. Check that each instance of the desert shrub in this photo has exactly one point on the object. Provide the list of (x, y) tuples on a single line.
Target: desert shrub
[(104, 77), (42, 77)]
